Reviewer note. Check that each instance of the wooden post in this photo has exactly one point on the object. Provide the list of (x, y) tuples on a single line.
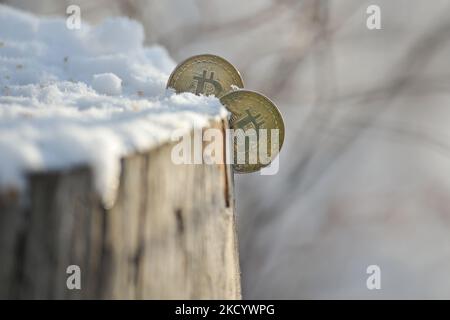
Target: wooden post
[(170, 234)]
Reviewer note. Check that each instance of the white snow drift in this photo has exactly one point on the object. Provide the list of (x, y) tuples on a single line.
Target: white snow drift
[(93, 95)]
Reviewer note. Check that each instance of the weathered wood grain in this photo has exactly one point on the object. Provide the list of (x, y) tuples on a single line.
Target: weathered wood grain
[(170, 234)]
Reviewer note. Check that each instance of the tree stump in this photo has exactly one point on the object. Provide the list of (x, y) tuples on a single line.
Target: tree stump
[(169, 235)]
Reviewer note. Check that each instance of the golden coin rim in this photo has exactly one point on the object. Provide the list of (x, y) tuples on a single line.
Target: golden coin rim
[(263, 97), (227, 66)]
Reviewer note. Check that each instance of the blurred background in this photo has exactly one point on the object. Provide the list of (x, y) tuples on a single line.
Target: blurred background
[(365, 169)]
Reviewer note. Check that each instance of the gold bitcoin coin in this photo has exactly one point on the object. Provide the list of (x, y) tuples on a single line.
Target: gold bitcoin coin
[(205, 74), (262, 129)]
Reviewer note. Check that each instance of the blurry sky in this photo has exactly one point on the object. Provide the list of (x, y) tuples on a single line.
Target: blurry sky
[(364, 172)]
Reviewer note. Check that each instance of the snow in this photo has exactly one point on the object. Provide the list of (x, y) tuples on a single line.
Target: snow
[(107, 83), (87, 96)]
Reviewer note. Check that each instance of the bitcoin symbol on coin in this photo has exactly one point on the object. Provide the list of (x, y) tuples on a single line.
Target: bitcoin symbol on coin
[(251, 110), (205, 74), (249, 119), (201, 81)]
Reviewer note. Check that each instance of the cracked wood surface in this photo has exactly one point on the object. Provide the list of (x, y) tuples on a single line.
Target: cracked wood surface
[(170, 234)]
